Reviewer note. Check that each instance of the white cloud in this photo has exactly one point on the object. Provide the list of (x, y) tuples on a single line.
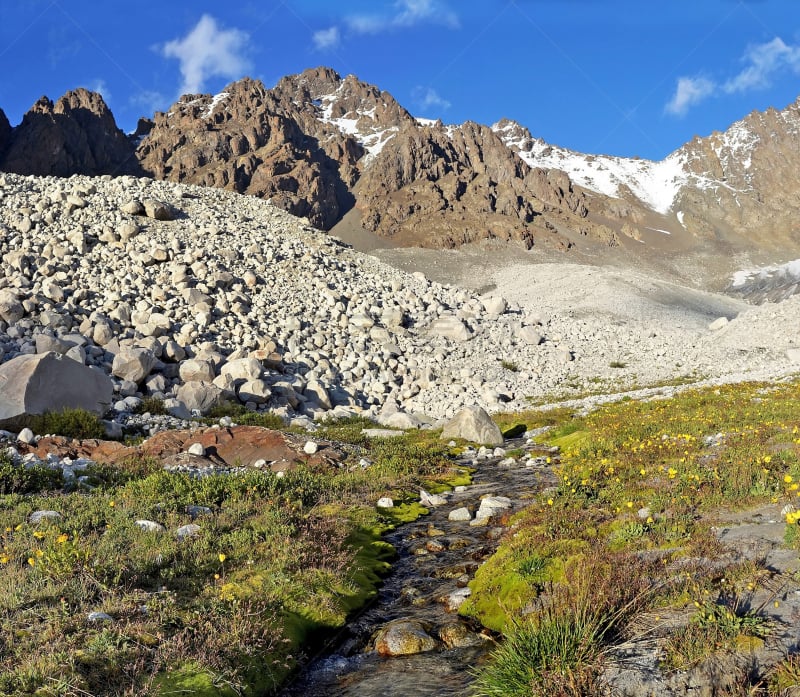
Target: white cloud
[(763, 62), (406, 13), (101, 88), (149, 100), (428, 98), (689, 91), (411, 12), (325, 39), (206, 51)]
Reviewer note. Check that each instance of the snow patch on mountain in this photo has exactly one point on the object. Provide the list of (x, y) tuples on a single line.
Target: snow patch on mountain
[(654, 183), (790, 271), (735, 145), (360, 124), (216, 99)]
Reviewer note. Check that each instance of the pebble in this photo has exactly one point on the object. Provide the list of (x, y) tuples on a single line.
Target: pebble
[(99, 617)]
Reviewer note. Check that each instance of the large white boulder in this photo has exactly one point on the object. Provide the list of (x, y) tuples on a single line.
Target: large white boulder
[(451, 328), (38, 383), (133, 364), (475, 425), (201, 396)]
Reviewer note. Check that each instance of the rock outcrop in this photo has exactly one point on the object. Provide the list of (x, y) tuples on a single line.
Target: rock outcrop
[(743, 181), (246, 139), (5, 133)]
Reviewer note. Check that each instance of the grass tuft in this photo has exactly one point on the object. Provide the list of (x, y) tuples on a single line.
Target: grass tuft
[(70, 423)]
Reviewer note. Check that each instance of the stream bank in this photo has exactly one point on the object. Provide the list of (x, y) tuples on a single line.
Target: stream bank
[(416, 607)]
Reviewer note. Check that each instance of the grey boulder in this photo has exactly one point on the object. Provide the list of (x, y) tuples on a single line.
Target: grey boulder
[(201, 396), (133, 364), (475, 425), (38, 383)]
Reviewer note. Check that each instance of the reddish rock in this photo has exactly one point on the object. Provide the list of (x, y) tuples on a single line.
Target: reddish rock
[(92, 449), (228, 447), (238, 445)]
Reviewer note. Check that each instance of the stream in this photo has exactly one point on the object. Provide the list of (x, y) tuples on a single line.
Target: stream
[(436, 557)]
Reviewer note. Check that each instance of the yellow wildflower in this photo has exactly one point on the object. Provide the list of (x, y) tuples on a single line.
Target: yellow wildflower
[(222, 557)]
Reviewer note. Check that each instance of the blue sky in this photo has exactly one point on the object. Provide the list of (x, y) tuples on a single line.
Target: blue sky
[(622, 77)]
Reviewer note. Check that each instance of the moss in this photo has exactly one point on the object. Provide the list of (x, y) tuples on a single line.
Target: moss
[(404, 513), (190, 679), (461, 477), (570, 441), (497, 599), (499, 591)]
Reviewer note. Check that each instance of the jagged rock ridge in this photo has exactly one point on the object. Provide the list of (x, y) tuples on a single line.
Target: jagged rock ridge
[(76, 135)]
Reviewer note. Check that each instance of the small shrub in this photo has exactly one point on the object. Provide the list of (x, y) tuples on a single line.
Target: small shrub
[(617, 364), (510, 366), (151, 405), (18, 479), (71, 423), (785, 676), (533, 567), (715, 625), (244, 417)]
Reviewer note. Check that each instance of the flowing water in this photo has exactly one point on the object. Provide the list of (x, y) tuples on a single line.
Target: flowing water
[(436, 557)]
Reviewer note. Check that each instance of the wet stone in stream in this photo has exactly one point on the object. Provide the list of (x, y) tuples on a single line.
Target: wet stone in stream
[(437, 557)]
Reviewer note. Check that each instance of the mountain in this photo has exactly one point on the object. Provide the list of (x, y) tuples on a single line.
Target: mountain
[(330, 148), (318, 145), (737, 187), (76, 135)]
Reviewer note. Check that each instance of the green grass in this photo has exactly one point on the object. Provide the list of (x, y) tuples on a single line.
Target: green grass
[(278, 562), (244, 417), (663, 458)]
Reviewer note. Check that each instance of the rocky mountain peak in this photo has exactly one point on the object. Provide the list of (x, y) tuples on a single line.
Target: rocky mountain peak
[(43, 105), (81, 98), (76, 135), (742, 183), (252, 140)]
